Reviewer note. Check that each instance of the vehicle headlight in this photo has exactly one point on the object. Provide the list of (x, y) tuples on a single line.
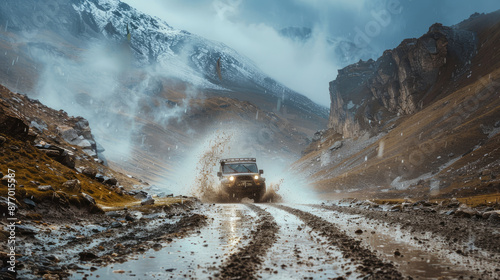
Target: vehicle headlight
[(231, 178), (256, 177)]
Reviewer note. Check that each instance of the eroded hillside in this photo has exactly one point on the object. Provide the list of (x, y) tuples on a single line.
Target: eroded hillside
[(422, 121)]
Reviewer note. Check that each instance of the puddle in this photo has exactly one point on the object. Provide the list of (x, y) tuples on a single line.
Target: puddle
[(196, 256), (422, 261)]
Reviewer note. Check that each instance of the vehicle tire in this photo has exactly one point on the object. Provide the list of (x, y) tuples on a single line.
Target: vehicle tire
[(260, 195)]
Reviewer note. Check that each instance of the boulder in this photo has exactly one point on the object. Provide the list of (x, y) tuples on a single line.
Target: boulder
[(337, 145), (139, 194), (67, 133), (466, 212), (73, 185), (89, 198), (148, 201), (89, 172), (45, 188), (29, 202), (111, 181), (486, 215)]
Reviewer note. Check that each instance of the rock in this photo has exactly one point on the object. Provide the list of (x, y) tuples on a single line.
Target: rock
[(148, 201), (51, 153), (337, 145), (318, 135), (140, 195), (5, 180), (29, 202), (85, 144), (129, 218), (89, 172), (359, 231), (68, 133), (113, 214), (24, 230), (59, 154), (14, 148), (87, 256), (2, 140), (45, 188), (466, 212), (494, 217), (487, 214), (486, 172), (398, 80), (396, 208), (116, 225), (99, 177), (12, 124), (111, 181), (89, 198), (73, 185)]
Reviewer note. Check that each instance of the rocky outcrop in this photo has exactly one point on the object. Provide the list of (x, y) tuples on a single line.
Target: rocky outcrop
[(368, 93)]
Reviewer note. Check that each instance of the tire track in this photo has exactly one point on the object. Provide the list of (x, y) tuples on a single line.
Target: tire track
[(368, 264), (245, 263)]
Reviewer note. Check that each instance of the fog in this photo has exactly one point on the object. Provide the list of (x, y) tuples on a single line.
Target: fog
[(252, 29), (196, 173)]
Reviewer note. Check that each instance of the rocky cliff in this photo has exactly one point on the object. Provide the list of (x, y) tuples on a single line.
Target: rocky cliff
[(402, 81), (422, 121)]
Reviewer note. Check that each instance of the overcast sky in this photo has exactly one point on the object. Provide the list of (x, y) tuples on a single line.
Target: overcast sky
[(251, 28)]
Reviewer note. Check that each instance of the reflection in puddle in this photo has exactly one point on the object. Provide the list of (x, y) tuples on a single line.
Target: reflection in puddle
[(416, 257), (196, 256)]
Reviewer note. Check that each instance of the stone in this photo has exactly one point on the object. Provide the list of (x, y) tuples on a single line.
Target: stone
[(397, 80), (89, 172), (129, 217), (73, 185), (487, 214), (148, 201), (29, 202), (140, 194), (14, 148), (68, 133), (111, 181), (87, 256), (116, 225), (337, 145), (466, 212), (45, 188), (99, 177), (89, 198), (85, 144)]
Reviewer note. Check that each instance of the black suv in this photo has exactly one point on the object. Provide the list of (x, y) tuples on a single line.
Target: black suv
[(241, 178)]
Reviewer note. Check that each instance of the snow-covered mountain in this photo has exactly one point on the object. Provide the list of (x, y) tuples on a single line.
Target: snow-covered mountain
[(176, 53)]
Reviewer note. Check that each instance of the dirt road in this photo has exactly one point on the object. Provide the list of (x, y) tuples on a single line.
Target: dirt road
[(277, 241)]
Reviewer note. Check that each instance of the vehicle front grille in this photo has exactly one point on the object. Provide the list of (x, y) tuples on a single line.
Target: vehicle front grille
[(244, 178)]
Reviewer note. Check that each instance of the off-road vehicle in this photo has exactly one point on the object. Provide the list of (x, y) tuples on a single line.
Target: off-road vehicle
[(240, 178)]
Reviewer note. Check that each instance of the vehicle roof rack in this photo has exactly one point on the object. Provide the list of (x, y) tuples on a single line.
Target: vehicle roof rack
[(238, 160)]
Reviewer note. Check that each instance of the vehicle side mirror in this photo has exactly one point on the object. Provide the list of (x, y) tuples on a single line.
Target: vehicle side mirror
[(219, 174), (261, 171)]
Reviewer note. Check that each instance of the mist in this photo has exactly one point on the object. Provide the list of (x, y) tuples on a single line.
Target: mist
[(252, 29)]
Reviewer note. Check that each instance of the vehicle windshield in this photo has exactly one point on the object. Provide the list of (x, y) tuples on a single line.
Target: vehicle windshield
[(240, 168)]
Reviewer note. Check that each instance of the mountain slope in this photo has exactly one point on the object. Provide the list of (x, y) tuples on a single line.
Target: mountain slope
[(180, 54), (433, 134), (155, 97)]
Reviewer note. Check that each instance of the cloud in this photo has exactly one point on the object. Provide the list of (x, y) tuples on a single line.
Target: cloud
[(250, 27)]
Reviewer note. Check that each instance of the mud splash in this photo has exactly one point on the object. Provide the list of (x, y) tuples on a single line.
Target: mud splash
[(271, 194), (206, 183)]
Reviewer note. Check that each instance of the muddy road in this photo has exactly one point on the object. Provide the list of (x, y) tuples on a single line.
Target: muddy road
[(272, 241)]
